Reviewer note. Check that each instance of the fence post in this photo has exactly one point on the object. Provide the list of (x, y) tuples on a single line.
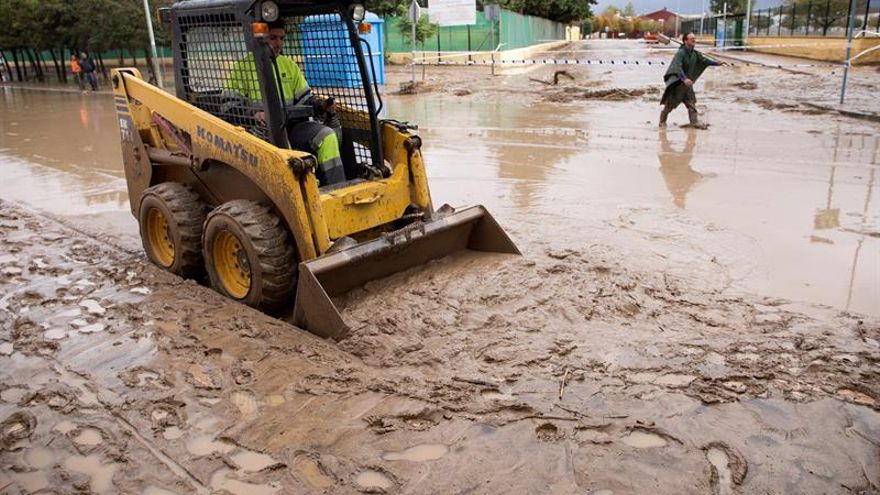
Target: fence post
[(469, 43), (867, 11), (851, 20), (809, 15), (827, 15), (793, 18), (779, 28)]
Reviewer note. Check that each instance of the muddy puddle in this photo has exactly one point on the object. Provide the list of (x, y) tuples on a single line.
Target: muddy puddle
[(660, 326)]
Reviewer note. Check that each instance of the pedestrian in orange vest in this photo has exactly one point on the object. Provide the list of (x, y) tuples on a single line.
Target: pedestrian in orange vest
[(77, 72)]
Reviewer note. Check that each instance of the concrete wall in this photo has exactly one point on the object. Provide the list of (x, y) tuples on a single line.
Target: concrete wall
[(825, 49)]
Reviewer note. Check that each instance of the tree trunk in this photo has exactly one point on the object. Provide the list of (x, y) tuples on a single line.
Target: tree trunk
[(44, 70), (38, 73), (63, 64), (121, 57), (17, 67), (101, 65), (149, 58), (8, 69), (58, 71), (134, 58)]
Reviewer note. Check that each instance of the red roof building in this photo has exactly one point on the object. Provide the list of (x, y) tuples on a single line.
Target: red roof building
[(667, 19)]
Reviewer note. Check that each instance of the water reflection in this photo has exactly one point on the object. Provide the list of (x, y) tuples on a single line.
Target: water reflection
[(62, 129), (675, 166)]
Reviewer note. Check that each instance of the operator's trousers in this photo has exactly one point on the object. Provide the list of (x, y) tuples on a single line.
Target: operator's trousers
[(322, 142), (690, 102)]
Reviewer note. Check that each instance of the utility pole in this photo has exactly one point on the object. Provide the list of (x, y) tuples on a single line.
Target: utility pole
[(153, 44), (747, 23), (415, 12), (849, 37)]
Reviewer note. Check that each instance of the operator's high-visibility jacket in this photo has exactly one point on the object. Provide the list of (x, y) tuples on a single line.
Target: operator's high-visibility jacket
[(294, 90)]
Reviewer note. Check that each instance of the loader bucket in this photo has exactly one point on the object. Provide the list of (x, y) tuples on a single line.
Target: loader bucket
[(334, 274)]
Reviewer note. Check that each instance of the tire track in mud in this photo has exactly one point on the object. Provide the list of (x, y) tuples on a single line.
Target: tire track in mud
[(474, 345)]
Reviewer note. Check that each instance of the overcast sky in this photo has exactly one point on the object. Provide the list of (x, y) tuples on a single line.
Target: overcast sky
[(678, 6)]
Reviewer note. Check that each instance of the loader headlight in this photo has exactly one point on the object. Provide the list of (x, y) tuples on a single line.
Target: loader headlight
[(269, 11), (357, 12)]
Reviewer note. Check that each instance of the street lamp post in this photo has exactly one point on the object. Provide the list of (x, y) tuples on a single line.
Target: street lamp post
[(153, 44)]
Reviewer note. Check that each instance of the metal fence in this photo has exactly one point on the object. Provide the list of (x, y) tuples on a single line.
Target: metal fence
[(802, 18), (814, 18)]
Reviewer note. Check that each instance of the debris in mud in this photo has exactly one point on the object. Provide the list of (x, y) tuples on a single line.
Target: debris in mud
[(461, 92), (548, 432), (773, 105), (412, 88), (556, 76), (748, 85), (613, 94), (18, 426), (858, 397)]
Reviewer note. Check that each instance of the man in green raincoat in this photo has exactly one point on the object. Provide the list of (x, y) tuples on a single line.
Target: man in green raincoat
[(686, 67), (305, 135)]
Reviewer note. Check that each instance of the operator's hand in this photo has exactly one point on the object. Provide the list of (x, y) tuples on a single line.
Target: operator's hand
[(688, 82)]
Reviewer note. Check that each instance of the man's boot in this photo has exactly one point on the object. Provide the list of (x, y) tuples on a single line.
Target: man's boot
[(663, 115), (693, 116)]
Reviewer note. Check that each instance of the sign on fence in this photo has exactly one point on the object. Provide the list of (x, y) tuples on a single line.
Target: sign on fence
[(492, 12), (453, 12), (415, 12)]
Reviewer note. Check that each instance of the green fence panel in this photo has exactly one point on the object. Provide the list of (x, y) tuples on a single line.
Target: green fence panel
[(519, 31), (514, 30)]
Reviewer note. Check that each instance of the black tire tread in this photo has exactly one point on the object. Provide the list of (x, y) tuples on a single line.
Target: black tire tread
[(272, 245), (188, 212)]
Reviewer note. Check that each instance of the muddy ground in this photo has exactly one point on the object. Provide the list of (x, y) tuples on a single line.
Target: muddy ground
[(629, 350)]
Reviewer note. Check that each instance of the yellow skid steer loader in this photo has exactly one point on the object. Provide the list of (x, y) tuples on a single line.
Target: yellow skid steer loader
[(270, 170)]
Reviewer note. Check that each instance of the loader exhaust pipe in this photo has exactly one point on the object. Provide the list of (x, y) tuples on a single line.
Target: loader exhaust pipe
[(334, 274)]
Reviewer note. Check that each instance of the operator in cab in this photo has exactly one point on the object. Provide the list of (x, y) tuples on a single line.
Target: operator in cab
[(306, 134)]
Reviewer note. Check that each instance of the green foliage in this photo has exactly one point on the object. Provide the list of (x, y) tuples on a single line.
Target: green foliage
[(566, 11), (77, 24), (424, 28), (733, 6), (624, 21)]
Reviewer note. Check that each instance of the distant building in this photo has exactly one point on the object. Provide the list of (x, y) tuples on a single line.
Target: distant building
[(667, 19)]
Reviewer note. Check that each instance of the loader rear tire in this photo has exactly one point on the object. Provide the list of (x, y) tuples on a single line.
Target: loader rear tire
[(171, 217), (249, 256)]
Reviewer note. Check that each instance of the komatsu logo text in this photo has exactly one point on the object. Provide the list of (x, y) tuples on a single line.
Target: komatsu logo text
[(237, 151)]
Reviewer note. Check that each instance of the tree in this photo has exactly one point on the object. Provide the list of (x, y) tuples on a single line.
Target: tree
[(733, 6), (822, 14), (608, 20), (566, 11)]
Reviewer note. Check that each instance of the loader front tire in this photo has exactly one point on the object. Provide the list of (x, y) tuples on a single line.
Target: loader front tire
[(249, 256), (171, 216)]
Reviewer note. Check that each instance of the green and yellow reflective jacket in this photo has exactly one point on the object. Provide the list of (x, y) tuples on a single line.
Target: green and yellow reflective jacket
[(294, 88)]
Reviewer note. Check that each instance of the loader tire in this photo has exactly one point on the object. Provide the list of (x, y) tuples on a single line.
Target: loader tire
[(171, 217), (249, 256)]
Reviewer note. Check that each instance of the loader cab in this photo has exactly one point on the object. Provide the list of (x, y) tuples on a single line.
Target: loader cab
[(321, 37)]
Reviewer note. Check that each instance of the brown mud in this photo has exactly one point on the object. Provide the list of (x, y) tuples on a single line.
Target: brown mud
[(565, 354), (629, 350)]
